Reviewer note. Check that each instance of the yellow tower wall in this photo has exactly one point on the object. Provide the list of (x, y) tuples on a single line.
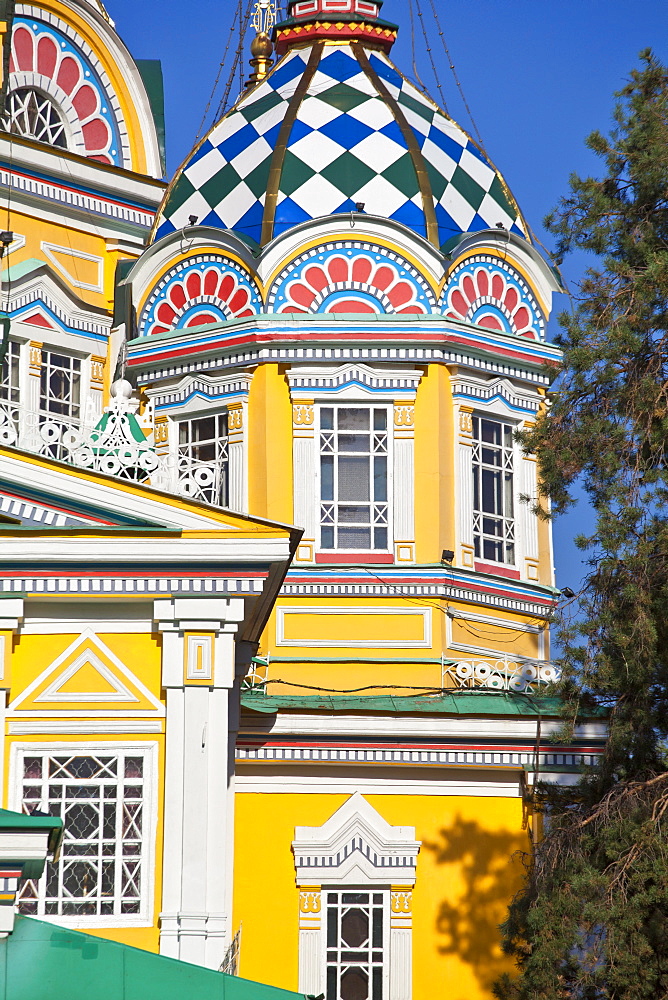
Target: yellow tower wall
[(270, 445), (465, 876)]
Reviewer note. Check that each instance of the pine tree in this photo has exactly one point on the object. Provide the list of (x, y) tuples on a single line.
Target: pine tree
[(591, 922)]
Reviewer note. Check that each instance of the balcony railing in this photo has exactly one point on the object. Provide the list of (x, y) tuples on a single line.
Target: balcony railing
[(505, 673), (120, 443)]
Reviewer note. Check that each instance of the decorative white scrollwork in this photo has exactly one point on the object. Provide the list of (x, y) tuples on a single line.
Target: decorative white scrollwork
[(119, 444), (504, 674)]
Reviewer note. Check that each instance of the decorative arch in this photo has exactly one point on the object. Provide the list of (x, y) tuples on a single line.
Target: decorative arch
[(489, 292), (204, 288), (60, 94), (350, 277), (355, 845)]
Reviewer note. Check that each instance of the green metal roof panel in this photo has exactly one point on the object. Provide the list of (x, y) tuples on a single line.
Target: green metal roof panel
[(42, 961), (10, 820), (461, 702), (150, 71)]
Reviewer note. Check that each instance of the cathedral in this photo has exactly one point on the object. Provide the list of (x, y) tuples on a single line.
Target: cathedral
[(274, 601)]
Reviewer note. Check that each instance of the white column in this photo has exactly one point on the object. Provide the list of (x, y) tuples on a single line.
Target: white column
[(311, 980), (525, 520), (96, 390), (403, 478), (401, 943), (236, 457), (197, 673), (28, 436), (464, 497), (12, 611), (304, 454)]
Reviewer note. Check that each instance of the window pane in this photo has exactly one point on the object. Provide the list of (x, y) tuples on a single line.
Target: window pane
[(380, 477), (353, 478), (354, 515), (354, 538), (327, 477), (327, 538), (354, 442), (353, 420), (380, 538), (354, 984), (327, 418)]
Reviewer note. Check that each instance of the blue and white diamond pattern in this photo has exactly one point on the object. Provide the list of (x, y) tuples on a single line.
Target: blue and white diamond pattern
[(225, 181), (344, 147), (468, 192)]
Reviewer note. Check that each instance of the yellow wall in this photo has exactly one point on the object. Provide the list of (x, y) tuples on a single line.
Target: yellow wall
[(465, 877), (270, 445), (434, 465), (299, 653)]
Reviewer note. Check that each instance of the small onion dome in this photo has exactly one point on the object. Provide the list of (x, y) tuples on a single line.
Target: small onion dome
[(332, 126)]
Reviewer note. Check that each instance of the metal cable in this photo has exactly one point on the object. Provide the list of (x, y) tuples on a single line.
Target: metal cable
[(454, 73), (237, 18), (237, 59), (431, 58), (415, 69)]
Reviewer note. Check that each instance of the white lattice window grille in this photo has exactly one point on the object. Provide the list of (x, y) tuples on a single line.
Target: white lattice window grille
[(356, 933), (32, 114), (59, 401), (354, 478), (9, 378), (493, 502), (102, 869), (204, 458), (60, 385)]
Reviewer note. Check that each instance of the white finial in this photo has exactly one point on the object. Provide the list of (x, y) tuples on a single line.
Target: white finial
[(264, 16)]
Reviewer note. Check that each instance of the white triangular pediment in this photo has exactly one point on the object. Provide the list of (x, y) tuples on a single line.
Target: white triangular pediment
[(356, 844), (116, 690), (114, 687)]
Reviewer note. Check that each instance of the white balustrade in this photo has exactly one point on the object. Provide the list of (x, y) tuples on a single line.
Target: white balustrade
[(120, 444), (505, 673)]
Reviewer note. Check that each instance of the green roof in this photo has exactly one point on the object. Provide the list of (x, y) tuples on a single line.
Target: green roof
[(42, 961), (460, 702), (10, 820)]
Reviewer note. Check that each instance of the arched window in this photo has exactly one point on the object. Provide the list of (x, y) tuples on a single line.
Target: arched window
[(32, 114)]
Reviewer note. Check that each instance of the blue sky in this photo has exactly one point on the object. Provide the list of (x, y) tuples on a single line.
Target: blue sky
[(537, 76)]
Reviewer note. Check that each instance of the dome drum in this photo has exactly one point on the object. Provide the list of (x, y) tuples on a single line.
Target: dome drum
[(494, 280)]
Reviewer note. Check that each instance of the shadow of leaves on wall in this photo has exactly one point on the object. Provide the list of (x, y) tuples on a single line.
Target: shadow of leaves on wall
[(486, 873)]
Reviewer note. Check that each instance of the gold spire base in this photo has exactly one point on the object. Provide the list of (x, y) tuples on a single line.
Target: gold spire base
[(262, 51)]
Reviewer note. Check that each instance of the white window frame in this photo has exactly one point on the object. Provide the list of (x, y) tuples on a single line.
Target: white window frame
[(149, 751), (356, 404), (204, 480), (14, 350), (509, 463), (356, 850), (371, 891), (70, 417)]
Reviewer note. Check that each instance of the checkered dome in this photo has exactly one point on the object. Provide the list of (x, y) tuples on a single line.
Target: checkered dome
[(349, 141)]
